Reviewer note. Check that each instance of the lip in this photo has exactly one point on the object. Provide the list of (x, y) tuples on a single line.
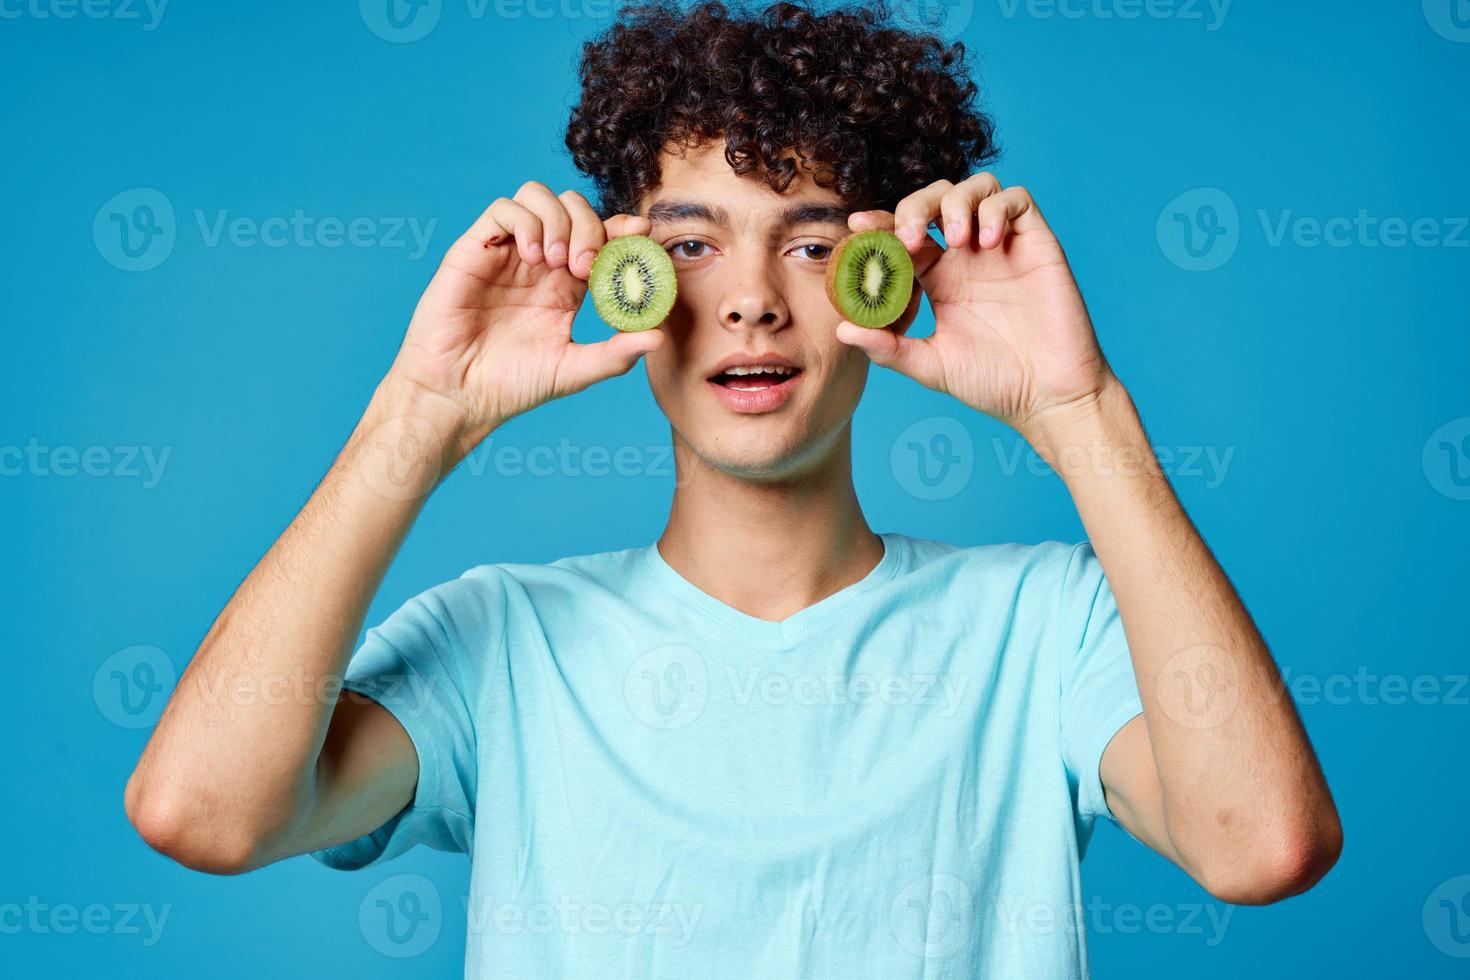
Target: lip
[(767, 399), (745, 357)]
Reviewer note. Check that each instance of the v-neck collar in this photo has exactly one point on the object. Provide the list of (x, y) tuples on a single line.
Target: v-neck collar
[(793, 626)]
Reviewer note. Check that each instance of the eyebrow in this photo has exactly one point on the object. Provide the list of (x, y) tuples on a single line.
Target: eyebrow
[(795, 214)]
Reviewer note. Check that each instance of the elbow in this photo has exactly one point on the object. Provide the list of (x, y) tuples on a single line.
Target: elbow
[(1289, 864), (174, 826)]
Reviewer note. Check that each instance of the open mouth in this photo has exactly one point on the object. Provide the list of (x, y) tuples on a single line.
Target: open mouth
[(755, 377)]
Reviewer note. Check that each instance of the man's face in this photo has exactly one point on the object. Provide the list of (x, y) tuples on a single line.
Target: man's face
[(751, 266)]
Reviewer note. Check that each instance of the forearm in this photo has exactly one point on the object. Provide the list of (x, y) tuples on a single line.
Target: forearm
[(234, 756), (1238, 778)]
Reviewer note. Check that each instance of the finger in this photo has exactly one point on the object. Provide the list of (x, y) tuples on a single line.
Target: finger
[(627, 224), (586, 364), (556, 224), (912, 216), (486, 230), (518, 221), (1011, 210), (910, 356), (588, 233), (870, 221), (957, 208)]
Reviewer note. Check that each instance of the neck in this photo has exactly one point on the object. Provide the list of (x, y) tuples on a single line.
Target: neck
[(769, 548)]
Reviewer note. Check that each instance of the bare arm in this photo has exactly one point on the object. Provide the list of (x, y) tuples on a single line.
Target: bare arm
[(1218, 774), (1227, 788), (256, 757)]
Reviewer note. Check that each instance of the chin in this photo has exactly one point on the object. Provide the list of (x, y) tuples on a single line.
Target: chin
[(762, 450)]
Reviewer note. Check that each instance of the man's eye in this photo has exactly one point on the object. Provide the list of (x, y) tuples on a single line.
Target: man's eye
[(690, 249), (815, 252)]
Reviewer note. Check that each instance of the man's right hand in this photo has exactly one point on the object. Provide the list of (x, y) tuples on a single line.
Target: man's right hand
[(492, 335)]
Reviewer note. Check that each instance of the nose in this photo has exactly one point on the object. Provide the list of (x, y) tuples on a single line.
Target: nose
[(753, 300)]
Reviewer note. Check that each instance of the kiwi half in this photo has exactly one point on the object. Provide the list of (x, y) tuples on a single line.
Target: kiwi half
[(870, 278), (632, 283)]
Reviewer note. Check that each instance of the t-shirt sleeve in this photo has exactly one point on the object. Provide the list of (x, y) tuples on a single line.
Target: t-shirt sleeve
[(428, 664), (1099, 692)]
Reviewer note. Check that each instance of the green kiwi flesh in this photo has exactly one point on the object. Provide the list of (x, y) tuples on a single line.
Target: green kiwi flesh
[(870, 278), (632, 283)]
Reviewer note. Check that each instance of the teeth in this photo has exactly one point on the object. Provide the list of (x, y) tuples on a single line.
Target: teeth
[(759, 369)]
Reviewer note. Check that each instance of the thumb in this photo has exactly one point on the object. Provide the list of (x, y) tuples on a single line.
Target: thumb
[(906, 355), (586, 364)]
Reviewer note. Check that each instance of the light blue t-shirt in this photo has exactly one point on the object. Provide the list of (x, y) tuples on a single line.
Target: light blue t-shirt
[(898, 781)]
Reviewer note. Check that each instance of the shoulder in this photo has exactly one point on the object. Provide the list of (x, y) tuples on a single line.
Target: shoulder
[(509, 584), (1046, 562)]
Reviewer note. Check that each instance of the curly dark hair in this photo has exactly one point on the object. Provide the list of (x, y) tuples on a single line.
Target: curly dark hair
[(871, 110)]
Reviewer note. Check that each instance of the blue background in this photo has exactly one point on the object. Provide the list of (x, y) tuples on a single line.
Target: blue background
[(1324, 372)]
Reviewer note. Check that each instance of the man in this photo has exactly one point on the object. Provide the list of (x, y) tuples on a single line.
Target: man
[(775, 743)]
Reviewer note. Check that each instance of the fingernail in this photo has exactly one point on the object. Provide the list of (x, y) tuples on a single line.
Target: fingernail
[(533, 250), (953, 230), (557, 252), (586, 258), (911, 234)]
